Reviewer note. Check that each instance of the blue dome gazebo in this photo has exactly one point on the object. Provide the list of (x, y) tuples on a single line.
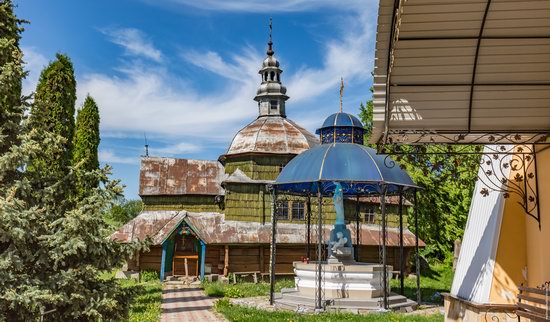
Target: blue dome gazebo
[(342, 158)]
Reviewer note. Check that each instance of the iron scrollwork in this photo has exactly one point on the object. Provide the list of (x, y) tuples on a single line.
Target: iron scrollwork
[(439, 137), (508, 168)]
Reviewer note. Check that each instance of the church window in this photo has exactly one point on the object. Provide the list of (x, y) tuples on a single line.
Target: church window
[(370, 214), (274, 104), (298, 210), (265, 76), (272, 75), (278, 77), (282, 210)]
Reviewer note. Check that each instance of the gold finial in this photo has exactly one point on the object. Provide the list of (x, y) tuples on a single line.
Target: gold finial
[(341, 92)]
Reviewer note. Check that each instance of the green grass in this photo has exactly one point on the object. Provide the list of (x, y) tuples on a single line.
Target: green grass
[(244, 314), (243, 289), (437, 280), (145, 307)]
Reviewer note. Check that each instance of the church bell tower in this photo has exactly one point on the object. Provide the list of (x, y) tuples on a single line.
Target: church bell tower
[(271, 95)]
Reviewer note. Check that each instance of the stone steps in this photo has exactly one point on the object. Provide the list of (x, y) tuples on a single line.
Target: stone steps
[(292, 300)]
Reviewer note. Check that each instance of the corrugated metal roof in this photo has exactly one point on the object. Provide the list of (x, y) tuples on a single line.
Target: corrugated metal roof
[(272, 134), (444, 55), (157, 225), (171, 176), (212, 228)]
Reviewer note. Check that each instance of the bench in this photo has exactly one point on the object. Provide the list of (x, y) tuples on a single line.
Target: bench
[(533, 303), (254, 274)]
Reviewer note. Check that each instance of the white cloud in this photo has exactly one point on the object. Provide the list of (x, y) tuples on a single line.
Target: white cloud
[(269, 6), (109, 157), (34, 63), (351, 57), (134, 42), (245, 68), (176, 149), (149, 100)]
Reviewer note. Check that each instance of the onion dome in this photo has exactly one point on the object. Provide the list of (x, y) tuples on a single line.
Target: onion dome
[(341, 128), (275, 135)]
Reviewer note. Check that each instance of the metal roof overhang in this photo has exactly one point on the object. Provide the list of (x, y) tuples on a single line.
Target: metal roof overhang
[(462, 71)]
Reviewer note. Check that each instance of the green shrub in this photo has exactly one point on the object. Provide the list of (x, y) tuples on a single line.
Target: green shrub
[(215, 289), (233, 292), (148, 276)]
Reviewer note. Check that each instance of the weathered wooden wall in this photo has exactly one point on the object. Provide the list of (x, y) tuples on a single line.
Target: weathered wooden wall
[(257, 167), (255, 258), (151, 260), (192, 203)]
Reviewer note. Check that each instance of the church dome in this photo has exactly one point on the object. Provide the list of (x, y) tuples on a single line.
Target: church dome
[(270, 61), (341, 119), (341, 128), (274, 135)]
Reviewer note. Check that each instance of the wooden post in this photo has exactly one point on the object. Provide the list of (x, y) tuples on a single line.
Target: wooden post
[(174, 265), (186, 267), (226, 261), (203, 259), (163, 259)]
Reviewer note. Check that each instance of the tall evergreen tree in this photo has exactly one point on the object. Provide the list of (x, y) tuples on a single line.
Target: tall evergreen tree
[(86, 143), (54, 104), (11, 74), (52, 256)]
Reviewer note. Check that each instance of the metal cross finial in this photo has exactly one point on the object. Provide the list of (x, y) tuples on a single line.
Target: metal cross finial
[(270, 28), (270, 51), (341, 92)]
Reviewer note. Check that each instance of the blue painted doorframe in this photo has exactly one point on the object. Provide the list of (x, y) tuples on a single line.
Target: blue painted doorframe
[(163, 259), (203, 258)]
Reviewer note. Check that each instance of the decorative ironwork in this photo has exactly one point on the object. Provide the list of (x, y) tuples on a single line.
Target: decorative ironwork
[(341, 134), (507, 168), (471, 137), (497, 313)]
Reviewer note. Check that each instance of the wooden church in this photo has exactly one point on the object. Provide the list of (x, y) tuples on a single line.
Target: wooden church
[(213, 217)]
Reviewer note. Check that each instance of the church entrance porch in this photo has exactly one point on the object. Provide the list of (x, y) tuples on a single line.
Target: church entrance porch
[(186, 256)]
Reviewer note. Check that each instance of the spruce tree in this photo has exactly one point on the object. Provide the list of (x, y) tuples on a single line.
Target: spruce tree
[(54, 105), (86, 143), (11, 74), (52, 256)]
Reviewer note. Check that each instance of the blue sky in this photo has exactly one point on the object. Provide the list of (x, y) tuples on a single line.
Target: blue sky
[(185, 71)]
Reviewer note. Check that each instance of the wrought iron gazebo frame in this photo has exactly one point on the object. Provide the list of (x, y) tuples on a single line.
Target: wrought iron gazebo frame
[(320, 244)]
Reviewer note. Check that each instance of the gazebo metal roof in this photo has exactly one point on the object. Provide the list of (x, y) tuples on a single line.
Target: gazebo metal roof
[(462, 71), (358, 168)]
